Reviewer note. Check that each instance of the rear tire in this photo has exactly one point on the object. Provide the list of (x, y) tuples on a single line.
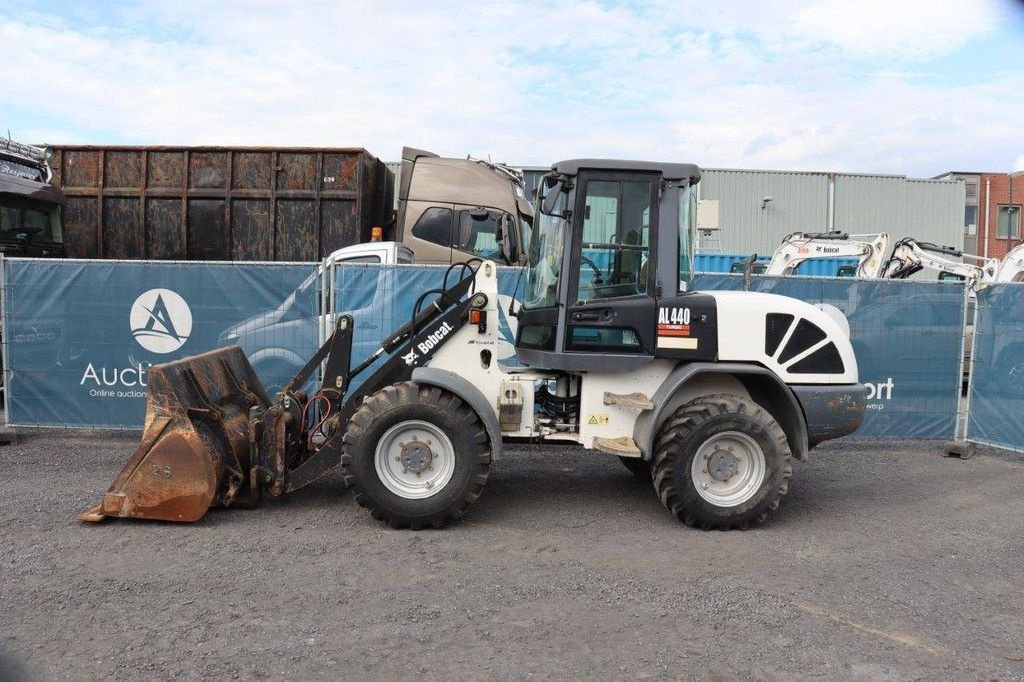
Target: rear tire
[(416, 456), (721, 462)]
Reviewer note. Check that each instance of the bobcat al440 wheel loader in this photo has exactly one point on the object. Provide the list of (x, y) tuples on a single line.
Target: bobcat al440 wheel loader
[(710, 394)]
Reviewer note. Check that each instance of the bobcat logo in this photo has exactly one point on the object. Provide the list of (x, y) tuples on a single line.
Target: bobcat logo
[(161, 321)]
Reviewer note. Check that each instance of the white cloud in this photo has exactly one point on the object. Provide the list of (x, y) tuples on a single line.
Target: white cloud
[(897, 29), (770, 85)]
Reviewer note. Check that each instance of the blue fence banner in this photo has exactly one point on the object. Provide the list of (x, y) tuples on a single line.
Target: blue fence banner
[(80, 335), (997, 368), (907, 336), (381, 298)]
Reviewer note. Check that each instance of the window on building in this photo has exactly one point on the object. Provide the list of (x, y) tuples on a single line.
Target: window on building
[(971, 190), (971, 220), (1008, 222)]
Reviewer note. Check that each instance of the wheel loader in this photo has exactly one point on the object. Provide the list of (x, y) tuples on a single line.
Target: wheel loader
[(710, 395)]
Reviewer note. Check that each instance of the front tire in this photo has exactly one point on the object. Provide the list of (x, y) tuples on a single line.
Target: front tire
[(416, 456), (721, 462)]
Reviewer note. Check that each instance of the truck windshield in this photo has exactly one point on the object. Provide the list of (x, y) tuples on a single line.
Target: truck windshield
[(31, 220), (547, 242)]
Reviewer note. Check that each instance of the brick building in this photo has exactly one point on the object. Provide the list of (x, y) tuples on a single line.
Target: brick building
[(992, 211)]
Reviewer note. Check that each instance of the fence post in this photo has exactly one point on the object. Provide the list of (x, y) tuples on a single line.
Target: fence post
[(3, 338), (323, 302), (8, 435), (960, 446)]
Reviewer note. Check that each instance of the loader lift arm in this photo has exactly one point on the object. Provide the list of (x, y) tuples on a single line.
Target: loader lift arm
[(405, 356), (798, 247), (911, 256)]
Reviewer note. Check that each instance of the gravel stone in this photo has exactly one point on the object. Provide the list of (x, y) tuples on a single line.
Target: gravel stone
[(885, 560)]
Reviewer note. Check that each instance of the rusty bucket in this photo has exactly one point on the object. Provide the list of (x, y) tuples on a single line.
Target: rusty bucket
[(194, 452)]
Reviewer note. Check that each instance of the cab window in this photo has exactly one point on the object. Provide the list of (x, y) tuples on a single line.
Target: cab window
[(616, 234), (476, 232), (435, 225)]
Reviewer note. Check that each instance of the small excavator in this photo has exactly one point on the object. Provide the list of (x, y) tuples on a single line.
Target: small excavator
[(709, 395), (796, 248), (910, 256), (1011, 266)]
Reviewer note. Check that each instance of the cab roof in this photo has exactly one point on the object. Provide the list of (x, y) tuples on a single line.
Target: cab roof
[(670, 171)]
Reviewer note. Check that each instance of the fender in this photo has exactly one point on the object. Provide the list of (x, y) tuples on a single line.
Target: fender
[(450, 381), (277, 354), (765, 388)]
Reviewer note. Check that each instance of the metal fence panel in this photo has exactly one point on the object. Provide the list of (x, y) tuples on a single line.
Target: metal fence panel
[(80, 335), (997, 368), (381, 298), (907, 337)]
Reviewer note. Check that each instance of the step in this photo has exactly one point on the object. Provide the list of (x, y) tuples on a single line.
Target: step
[(623, 446), (637, 401)]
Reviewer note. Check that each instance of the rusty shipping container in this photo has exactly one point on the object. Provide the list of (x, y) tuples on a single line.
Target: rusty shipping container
[(219, 203)]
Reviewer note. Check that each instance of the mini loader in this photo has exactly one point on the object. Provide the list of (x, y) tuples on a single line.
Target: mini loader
[(710, 395)]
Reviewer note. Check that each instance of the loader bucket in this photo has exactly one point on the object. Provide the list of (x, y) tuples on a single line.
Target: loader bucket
[(194, 452)]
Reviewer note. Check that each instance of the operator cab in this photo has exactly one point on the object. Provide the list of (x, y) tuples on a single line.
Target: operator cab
[(609, 255)]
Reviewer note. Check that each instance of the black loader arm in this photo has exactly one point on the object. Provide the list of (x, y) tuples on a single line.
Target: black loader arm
[(409, 347)]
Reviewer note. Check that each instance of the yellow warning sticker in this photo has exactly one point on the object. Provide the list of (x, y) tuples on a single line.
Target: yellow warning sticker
[(598, 419)]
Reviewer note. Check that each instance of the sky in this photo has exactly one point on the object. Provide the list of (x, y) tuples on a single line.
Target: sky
[(914, 87)]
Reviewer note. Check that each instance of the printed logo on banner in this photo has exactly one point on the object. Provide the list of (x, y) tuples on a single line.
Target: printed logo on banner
[(878, 392), (161, 321)]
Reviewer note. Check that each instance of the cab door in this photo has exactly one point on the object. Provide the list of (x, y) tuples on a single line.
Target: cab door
[(611, 290)]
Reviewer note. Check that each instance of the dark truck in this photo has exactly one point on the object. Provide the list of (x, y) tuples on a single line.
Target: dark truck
[(30, 206), (450, 209)]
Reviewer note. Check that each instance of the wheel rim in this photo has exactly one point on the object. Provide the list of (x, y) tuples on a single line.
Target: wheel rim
[(415, 459), (728, 469)]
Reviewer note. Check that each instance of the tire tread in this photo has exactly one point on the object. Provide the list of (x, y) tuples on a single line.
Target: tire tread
[(672, 439), (396, 396)]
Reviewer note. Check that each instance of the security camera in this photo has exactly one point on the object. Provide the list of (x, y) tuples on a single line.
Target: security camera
[(764, 202)]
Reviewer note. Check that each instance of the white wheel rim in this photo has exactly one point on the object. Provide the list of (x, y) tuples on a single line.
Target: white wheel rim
[(728, 469), (414, 459)]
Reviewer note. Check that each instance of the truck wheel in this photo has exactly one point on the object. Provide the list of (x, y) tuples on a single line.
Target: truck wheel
[(721, 461), (275, 373), (639, 468), (416, 456)]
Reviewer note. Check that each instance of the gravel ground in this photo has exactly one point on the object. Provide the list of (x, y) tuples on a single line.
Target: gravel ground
[(885, 561)]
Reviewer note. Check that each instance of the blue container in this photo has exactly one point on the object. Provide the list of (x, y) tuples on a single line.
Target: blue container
[(722, 262)]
